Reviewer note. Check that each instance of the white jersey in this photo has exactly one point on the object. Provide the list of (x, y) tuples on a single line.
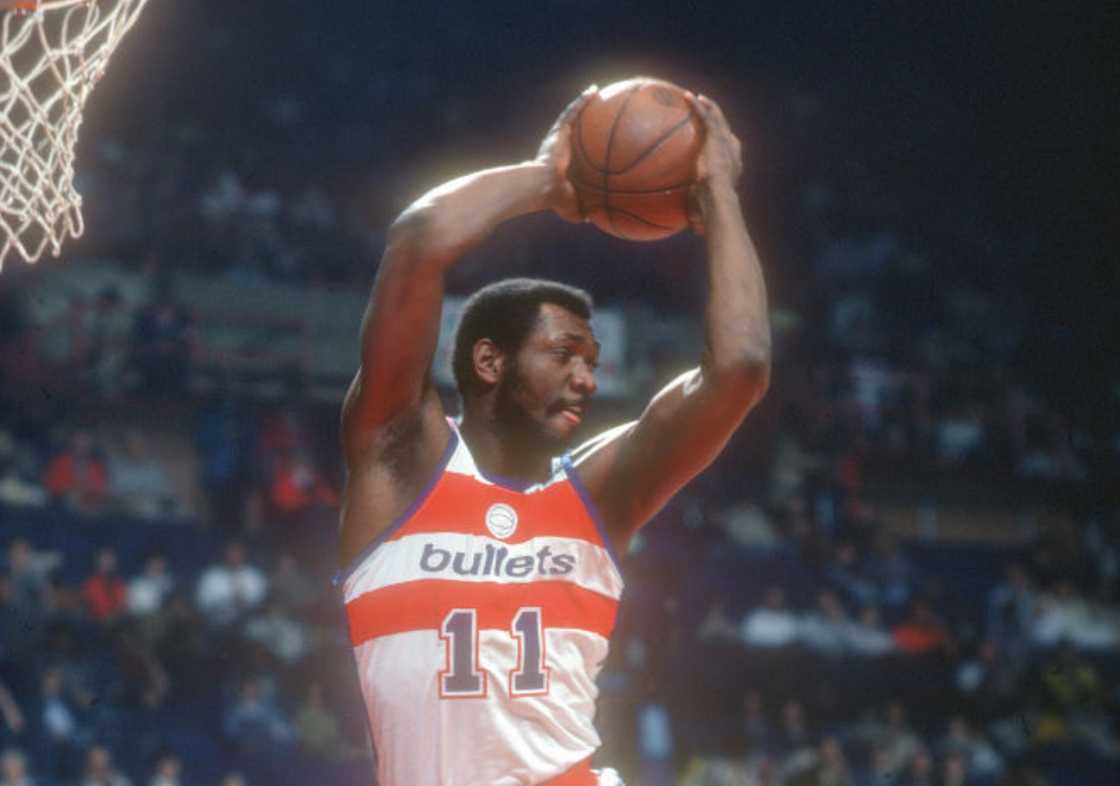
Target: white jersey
[(480, 621)]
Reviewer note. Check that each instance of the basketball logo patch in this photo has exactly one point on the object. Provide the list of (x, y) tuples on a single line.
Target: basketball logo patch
[(501, 520)]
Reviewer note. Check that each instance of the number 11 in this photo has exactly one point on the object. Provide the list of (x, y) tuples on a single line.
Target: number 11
[(463, 679)]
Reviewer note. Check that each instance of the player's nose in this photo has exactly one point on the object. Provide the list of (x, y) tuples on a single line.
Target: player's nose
[(583, 380)]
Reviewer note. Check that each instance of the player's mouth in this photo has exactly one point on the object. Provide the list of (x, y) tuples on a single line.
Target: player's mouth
[(571, 413)]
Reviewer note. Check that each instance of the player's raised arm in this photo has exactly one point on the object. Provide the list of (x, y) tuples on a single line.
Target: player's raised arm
[(688, 423), (401, 323)]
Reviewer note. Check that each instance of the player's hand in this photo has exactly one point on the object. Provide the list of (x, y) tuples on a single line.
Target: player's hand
[(720, 162), (556, 153)]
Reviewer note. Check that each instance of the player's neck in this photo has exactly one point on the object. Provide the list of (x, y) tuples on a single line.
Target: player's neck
[(499, 457)]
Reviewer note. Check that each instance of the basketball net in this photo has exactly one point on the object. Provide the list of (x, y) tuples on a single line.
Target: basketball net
[(52, 52)]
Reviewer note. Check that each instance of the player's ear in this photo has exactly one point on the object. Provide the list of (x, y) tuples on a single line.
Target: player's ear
[(488, 361)]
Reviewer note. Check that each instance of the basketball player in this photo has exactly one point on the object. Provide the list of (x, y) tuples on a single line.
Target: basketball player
[(482, 577)]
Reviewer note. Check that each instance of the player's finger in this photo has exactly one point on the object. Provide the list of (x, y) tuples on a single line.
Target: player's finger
[(713, 111), (578, 102)]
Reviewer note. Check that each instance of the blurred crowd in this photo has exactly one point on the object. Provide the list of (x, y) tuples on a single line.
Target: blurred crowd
[(166, 550)]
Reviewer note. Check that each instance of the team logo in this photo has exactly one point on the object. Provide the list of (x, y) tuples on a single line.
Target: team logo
[(501, 520)]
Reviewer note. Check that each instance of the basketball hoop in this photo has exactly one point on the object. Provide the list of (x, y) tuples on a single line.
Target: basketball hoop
[(52, 52)]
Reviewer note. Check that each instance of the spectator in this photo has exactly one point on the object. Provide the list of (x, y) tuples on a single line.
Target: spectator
[(317, 729), (10, 714), (234, 779), (167, 772), (148, 591), (866, 635), (224, 437), (77, 477), (281, 634), (921, 633), (298, 487), (254, 723), (290, 586), (756, 727), (58, 731), (13, 769), (832, 765), (772, 624), (108, 334), (827, 629), (1011, 609), (163, 344), (139, 483), (228, 590), (104, 592), (919, 770), (793, 733), (27, 572), (980, 757), (100, 769)]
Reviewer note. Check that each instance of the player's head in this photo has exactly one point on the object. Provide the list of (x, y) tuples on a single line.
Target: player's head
[(528, 345)]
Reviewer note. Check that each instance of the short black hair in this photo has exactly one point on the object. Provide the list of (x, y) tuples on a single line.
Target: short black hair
[(506, 313)]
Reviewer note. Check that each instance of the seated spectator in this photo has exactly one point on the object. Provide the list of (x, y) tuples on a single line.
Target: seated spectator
[(981, 758), (281, 634), (866, 636), (104, 592), (254, 723), (27, 573), (139, 485), (10, 714), (234, 779), (1064, 615), (921, 633), (1011, 609), (148, 591), (831, 768), (167, 772), (826, 629), (955, 770), (13, 769), (317, 729), (77, 477), (290, 586), (772, 624), (100, 769), (163, 345), (919, 770), (793, 733), (57, 727), (298, 487), (231, 588), (848, 576), (756, 728)]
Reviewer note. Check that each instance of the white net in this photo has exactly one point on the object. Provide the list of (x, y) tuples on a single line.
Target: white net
[(51, 55)]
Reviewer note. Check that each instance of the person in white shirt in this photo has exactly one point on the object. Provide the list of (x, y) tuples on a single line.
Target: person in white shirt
[(772, 624), (148, 591), (229, 589)]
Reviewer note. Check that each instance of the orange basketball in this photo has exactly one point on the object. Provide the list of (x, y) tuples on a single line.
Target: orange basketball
[(634, 148)]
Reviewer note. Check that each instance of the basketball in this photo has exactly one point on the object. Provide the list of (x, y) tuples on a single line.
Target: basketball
[(634, 149)]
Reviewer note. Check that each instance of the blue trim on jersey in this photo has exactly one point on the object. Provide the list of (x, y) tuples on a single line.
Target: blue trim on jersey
[(585, 497), (401, 520)]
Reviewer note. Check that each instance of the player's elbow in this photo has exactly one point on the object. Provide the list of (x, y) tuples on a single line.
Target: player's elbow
[(744, 378)]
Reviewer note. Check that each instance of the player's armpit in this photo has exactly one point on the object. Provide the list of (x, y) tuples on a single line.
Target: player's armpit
[(684, 428)]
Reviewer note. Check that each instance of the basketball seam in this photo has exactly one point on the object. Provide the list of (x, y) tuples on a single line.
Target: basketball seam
[(607, 156), (632, 192), (636, 217), (653, 147)]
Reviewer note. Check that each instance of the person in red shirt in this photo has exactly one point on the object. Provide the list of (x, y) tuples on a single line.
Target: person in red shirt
[(298, 486), (78, 476), (104, 593)]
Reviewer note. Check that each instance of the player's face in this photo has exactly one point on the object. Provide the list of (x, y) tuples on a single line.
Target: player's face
[(546, 390)]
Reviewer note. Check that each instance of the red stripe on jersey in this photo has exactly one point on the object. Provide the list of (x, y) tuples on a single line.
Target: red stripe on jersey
[(423, 605), (458, 503)]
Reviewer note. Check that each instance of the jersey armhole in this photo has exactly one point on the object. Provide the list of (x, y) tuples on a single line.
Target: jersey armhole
[(592, 509), (345, 572)]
